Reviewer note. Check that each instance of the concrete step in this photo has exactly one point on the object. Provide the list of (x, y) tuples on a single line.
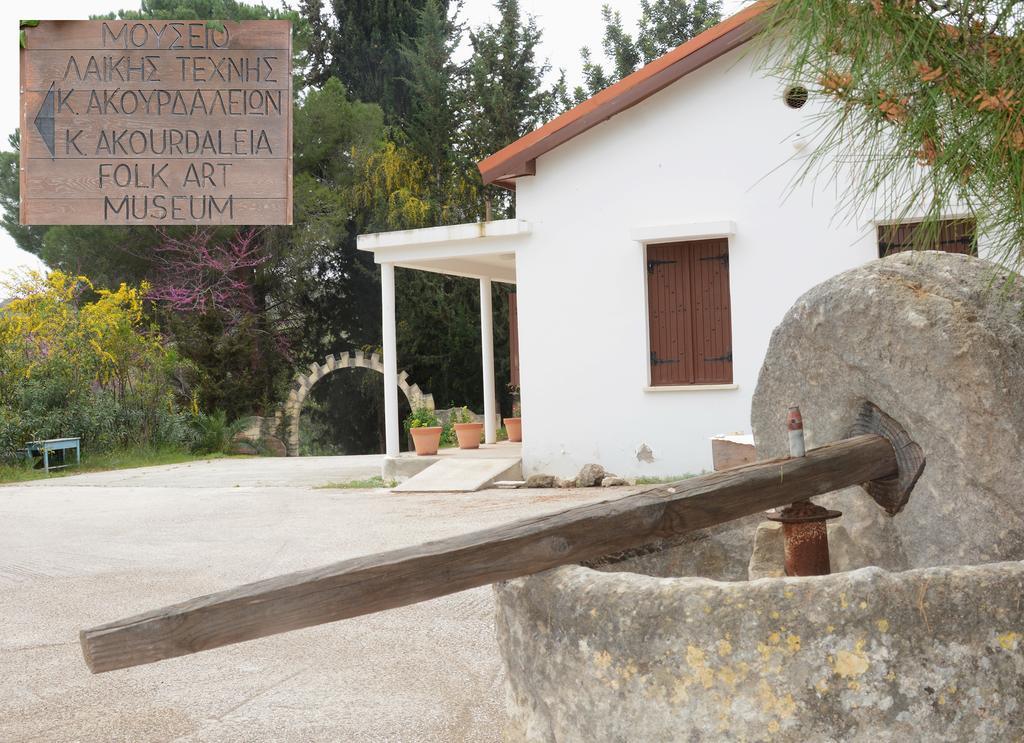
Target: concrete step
[(457, 475)]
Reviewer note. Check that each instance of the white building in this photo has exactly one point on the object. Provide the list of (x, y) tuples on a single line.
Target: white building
[(659, 240)]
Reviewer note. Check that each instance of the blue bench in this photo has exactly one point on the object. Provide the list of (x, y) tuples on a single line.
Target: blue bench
[(47, 447)]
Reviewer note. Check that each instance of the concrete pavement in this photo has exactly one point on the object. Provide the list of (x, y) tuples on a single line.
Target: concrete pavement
[(82, 550)]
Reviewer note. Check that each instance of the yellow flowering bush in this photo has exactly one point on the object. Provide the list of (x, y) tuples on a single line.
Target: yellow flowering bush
[(79, 360)]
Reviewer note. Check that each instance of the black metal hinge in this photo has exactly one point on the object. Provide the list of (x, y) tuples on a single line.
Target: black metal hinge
[(724, 258), (723, 357), (655, 360), (651, 265)]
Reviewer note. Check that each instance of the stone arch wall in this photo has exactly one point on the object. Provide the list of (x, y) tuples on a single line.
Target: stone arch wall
[(304, 382)]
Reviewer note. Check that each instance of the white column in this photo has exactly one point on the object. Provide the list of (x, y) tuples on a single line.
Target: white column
[(387, 296), (487, 348)]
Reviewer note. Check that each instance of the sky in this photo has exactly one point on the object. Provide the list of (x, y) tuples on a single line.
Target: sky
[(567, 25)]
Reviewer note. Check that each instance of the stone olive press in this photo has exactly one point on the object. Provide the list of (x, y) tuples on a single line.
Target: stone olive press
[(665, 615), (919, 632)]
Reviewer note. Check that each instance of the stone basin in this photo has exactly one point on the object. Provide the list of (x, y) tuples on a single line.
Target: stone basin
[(932, 654)]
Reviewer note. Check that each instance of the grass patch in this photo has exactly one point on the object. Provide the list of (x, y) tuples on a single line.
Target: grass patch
[(663, 480), (119, 460), (369, 483)]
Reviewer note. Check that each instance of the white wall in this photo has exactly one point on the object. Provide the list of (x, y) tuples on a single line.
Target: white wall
[(713, 146)]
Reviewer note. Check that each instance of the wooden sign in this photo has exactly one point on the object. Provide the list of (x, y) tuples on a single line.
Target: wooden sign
[(156, 122)]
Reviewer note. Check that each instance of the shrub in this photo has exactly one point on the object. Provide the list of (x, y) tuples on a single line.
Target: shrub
[(44, 410), (462, 415), (81, 361), (458, 415), (448, 437), (212, 434), (421, 418)]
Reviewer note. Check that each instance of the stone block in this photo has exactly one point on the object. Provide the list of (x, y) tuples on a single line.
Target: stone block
[(272, 446), (590, 475), (541, 481)]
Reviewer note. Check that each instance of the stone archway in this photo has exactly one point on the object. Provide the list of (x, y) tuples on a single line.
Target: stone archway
[(304, 382)]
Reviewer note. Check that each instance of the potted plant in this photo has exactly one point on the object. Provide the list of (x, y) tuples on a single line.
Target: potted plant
[(466, 428), (514, 425), (425, 430)]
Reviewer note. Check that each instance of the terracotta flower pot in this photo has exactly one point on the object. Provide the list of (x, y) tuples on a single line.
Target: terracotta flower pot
[(514, 429), (469, 435), (426, 440)]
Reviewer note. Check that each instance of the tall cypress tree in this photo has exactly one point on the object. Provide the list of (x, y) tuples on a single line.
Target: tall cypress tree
[(505, 89), (363, 48), (435, 119)]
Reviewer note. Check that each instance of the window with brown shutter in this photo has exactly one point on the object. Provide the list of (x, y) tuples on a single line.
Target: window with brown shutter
[(951, 236), (688, 312)]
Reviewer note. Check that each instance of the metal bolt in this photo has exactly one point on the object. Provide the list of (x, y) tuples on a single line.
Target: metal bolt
[(795, 425)]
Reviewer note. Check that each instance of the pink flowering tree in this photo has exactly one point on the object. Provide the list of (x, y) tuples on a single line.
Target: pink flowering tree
[(200, 274)]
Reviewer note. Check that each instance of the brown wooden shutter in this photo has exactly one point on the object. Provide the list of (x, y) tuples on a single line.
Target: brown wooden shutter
[(688, 313), (712, 320), (668, 307), (513, 338), (958, 236), (953, 236)]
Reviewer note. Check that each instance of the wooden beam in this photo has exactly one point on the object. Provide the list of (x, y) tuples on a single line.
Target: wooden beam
[(405, 576)]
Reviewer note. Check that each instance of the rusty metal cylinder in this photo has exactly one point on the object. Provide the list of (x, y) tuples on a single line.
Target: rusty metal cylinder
[(806, 548), (806, 537)]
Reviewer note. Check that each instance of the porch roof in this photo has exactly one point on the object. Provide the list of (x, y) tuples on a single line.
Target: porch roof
[(479, 250)]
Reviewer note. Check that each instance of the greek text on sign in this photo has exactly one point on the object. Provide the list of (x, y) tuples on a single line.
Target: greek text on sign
[(156, 122)]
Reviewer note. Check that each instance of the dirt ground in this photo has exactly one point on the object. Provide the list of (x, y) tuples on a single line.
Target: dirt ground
[(83, 550)]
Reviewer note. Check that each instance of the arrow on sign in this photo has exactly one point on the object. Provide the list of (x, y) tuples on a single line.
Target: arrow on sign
[(45, 121)]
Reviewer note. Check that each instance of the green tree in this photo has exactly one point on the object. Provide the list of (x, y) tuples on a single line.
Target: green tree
[(925, 104), (663, 25), (436, 119), (362, 48), (330, 288), (425, 174), (438, 329), (27, 237), (505, 93), (388, 137)]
